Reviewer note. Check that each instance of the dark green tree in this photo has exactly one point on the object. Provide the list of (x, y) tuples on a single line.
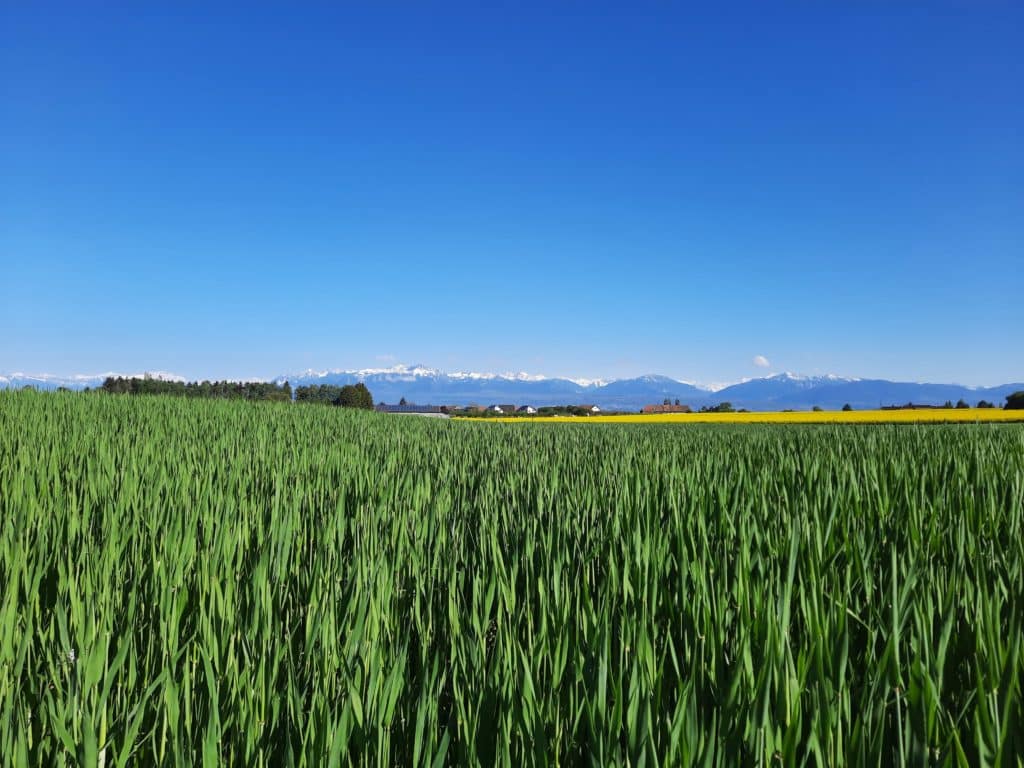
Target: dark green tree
[(725, 407), (363, 397), (347, 397)]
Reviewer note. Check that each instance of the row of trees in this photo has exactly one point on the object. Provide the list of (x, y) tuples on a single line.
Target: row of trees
[(963, 404), (725, 407), (1013, 401), (348, 396), (226, 390), (960, 404)]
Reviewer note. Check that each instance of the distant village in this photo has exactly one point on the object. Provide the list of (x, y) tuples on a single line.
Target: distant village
[(510, 409), (359, 396)]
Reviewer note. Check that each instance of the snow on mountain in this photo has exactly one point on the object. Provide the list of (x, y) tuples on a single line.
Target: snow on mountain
[(19, 379), (423, 384), (410, 372)]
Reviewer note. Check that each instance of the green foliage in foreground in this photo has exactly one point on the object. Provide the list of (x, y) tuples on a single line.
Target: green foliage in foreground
[(211, 582)]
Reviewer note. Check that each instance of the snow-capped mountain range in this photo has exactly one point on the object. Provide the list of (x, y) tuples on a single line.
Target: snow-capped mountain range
[(415, 372), (422, 384), (77, 381)]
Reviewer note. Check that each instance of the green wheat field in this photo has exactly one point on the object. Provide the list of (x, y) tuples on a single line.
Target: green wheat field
[(189, 582)]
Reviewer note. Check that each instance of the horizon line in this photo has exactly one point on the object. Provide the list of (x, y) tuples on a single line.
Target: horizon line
[(518, 376)]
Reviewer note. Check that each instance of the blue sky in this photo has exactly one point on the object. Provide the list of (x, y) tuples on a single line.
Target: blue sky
[(578, 188)]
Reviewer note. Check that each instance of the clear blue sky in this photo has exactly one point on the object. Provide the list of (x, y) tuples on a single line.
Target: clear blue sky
[(562, 188)]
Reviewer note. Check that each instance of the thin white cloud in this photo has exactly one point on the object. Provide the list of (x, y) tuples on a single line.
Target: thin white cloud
[(761, 361)]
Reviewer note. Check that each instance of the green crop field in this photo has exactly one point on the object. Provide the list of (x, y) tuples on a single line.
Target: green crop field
[(227, 583)]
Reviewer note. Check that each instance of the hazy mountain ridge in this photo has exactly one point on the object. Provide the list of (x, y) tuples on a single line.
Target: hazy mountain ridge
[(832, 393), (77, 381), (421, 384), (780, 391)]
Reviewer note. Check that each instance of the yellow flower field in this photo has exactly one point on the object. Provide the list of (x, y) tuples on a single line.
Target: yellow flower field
[(928, 415)]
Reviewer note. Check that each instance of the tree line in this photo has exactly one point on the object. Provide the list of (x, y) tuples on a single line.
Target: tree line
[(348, 396), (226, 390)]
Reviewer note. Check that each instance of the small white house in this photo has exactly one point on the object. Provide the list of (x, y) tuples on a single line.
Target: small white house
[(527, 409)]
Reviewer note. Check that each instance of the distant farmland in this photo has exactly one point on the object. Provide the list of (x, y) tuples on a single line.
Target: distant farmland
[(881, 416), (186, 581)]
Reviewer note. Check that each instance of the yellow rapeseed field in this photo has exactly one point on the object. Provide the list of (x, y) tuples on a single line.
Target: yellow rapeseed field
[(924, 415)]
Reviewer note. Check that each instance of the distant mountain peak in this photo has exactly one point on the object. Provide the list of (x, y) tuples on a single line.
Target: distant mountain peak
[(423, 384), (425, 371), (80, 380), (804, 378)]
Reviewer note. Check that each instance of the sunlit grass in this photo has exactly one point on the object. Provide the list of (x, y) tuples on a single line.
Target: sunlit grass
[(190, 582)]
